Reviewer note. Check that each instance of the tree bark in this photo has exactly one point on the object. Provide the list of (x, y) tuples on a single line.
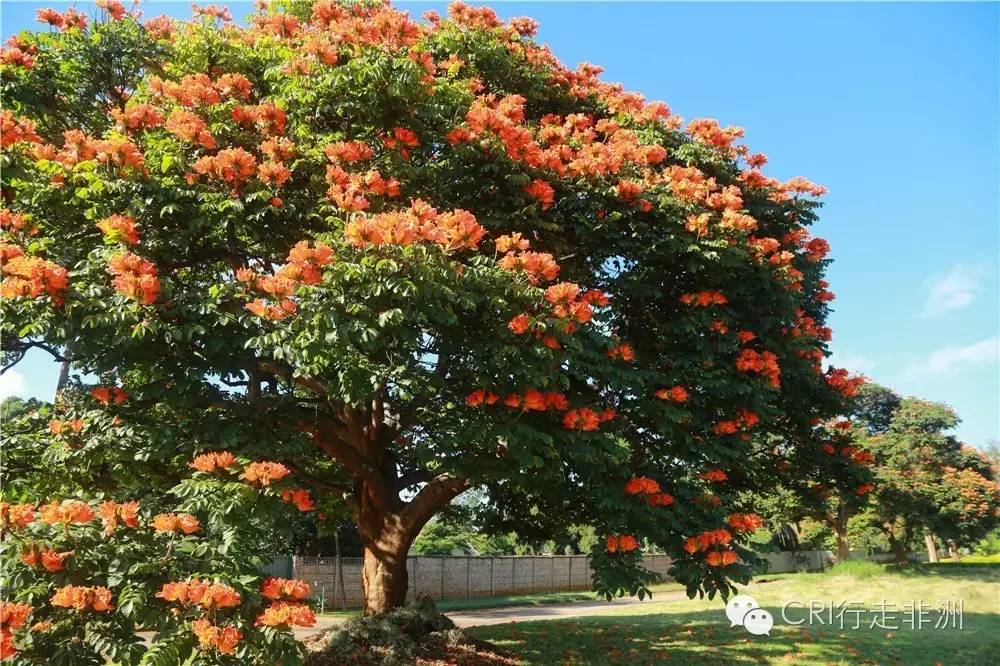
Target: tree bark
[(384, 577), (387, 536), (931, 548), (839, 525)]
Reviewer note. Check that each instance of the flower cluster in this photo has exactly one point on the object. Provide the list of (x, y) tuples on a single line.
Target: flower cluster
[(841, 380), (113, 513), (745, 420), (12, 616), (673, 394), (745, 522), (453, 230), (30, 277), (263, 473), (66, 512), (299, 497), (623, 543), (176, 523), (196, 592), (586, 419), (210, 462), (284, 589), (135, 277), (59, 427), (81, 598), (706, 542), (285, 615), (763, 363), (210, 636), (704, 298), (16, 516), (119, 229), (642, 485), (107, 395), (233, 166), (48, 559)]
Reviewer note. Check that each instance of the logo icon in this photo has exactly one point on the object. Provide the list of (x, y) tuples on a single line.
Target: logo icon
[(744, 611)]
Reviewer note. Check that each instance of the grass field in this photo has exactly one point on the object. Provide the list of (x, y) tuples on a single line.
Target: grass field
[(697, 632)]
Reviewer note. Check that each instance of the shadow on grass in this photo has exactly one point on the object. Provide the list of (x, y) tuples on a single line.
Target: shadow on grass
[(705, 637), (959, 570)]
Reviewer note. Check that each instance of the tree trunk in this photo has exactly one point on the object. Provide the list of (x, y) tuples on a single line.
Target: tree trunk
[(840, 530), (843, 547), (384, 578), (931, 548)]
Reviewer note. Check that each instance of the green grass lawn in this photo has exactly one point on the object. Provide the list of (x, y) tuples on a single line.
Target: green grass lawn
[(697, 632)]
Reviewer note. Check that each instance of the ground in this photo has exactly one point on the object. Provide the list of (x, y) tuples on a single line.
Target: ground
[(697, 632)]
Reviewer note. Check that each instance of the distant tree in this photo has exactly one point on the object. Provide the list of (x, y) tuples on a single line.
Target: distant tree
[(927, 481)]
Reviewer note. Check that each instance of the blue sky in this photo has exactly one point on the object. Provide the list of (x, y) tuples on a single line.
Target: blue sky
[(895, 107)]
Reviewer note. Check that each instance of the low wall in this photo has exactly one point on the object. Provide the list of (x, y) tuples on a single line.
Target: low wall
[(451, 577), (458, 576)]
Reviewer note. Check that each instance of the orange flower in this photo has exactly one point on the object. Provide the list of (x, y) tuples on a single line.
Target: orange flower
[(80, 598), (191, 127), (111, 513), (348, 151), (611, 544), (135, 277), (119, 229), (284, 588), (584, 420), (622, 351), (715, 475), (704, 298), (519, 324), (224, 639), (108, 394), (16, 515), (285, 615), (200, 593), (13, 616), (263, 473), (66, 512), (181, 522), (745, 522), (300, 498), (660, 499), (641, 485), (210, 462), (53, 561), (675, 394), (541, 192)]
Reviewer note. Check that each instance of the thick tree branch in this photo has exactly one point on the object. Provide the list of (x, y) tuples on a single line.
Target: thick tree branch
[(433, 497)]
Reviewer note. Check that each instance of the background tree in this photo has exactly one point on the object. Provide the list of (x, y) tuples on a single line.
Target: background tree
[(927, 481), (404, 259)]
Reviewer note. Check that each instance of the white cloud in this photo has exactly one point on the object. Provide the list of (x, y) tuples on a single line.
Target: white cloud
[(11, 383), (954, 290), (949, 359)]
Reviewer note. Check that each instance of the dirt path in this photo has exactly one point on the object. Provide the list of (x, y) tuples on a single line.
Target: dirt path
[(555, 611)]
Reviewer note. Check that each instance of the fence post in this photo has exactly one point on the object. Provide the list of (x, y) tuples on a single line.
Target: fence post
[(492, 560), (533, 561), (442, 576), (569, 576), (552, 574), (512, 561), (468, 577)]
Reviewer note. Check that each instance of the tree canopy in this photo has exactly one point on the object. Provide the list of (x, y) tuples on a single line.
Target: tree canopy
[(378, 261)]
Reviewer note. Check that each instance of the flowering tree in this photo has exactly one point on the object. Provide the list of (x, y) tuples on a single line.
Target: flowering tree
[(927, 482), (387, 261)]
